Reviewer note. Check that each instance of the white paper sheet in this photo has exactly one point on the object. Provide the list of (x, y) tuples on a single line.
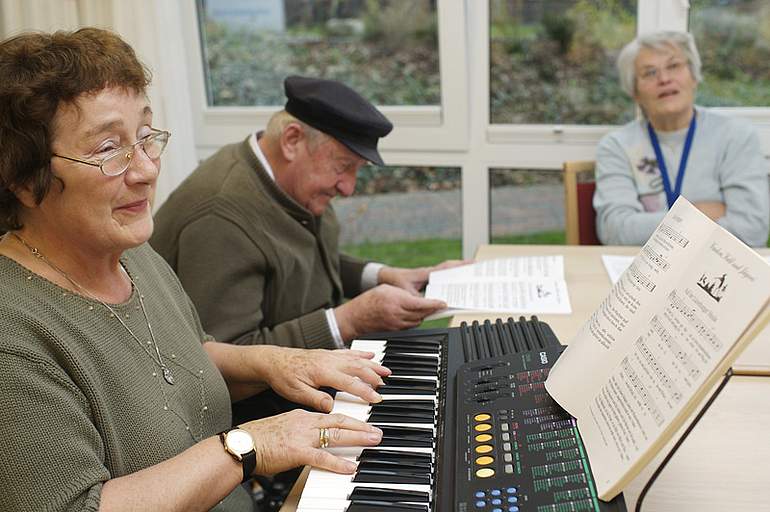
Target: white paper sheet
[(526, 285)]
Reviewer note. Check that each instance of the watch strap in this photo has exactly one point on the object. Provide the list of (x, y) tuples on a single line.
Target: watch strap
[(249, 462)]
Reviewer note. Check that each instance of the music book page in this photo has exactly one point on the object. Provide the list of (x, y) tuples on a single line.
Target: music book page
[(526, 285), (671, 326)]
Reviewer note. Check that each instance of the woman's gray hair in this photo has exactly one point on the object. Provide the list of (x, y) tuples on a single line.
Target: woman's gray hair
[(658, 41)]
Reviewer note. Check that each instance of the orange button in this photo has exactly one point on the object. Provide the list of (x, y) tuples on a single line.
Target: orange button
[(484, 461), (482, 417), (483, 427), (483, 438), (484, 448), (485, 472)]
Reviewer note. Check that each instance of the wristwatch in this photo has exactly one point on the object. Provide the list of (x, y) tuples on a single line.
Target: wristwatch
[(240, 445)]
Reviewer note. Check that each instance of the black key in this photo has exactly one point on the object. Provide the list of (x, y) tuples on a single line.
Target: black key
[(411, 348), (378, 454), (384, 476), (398, 357), (399, 466), (384, 506), (404, 386), (402, 417), (403, 369), (406, 436), (389, 495), (414, 405)]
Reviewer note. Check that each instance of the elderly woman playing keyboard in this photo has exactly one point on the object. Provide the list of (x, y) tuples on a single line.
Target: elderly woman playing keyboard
[(113, 397)]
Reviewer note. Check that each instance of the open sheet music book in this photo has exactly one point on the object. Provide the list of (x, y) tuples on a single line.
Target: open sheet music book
[(692, 299)]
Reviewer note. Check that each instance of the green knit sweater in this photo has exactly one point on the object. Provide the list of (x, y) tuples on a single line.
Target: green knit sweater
[(259, 267), (81, 402)]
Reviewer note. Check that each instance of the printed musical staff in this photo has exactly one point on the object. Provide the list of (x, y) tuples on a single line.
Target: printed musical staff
[(655, 258), (688, 313), (652, 362), (673, 235), (641, 391), (640, 278)]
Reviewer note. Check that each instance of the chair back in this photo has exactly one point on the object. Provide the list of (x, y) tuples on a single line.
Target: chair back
[(580, 217)]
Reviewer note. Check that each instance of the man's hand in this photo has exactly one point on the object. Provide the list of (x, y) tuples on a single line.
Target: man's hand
[(296, 374), (714, 210), (413, 279), (383, 308)]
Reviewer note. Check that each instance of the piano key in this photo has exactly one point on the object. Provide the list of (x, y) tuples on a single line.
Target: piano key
[(397, 455), (414, 405), (366, 475), (390, 495), (342, 505)]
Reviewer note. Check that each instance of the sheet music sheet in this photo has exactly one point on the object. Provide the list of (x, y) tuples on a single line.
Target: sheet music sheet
[(526, 284)]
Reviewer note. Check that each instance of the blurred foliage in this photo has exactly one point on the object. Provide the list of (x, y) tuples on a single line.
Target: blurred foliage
[(376, 180), (733, 38), (387, 50), (553, 61)]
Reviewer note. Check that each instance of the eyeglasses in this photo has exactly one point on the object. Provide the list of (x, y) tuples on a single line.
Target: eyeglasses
[(118, 161), (672, 68)]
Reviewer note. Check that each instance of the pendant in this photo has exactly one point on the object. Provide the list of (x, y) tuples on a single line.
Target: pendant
[(167, 376)]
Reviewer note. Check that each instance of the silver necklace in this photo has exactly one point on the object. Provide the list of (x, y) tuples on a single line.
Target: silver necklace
[(167, 375)]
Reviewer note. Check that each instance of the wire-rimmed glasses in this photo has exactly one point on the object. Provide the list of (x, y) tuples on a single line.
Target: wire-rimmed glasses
[(118, 161)]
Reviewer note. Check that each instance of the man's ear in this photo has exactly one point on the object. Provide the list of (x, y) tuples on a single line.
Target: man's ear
[(292, 139)]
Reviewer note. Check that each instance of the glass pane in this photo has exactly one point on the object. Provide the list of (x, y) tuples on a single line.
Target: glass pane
[(733, 38), (387, 50), (403, 216), (526, 206), (553, 61)]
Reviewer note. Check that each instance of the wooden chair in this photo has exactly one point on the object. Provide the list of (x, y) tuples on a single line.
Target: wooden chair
[(580, 217)]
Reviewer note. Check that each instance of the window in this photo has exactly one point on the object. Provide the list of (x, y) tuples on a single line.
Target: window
[(526, 206), (733, 39), (553, 61), (385, 50), (403, 216)]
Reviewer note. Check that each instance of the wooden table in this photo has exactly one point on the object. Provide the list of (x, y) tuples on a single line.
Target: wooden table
[(725, 462)]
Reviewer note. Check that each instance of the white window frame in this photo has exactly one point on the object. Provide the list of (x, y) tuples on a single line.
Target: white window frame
[(416, 128), (457, 133)]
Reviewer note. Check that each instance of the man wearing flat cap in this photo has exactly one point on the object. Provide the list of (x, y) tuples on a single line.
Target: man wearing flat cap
[(254, 240)]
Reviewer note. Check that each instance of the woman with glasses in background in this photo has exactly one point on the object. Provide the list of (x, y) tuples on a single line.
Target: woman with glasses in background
[(111, 395), (677, 147)]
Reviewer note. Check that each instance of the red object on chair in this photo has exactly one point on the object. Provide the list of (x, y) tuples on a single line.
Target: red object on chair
[(580, 217)]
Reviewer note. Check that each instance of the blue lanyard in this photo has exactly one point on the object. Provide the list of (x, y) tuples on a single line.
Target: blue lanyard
[(672, 196)]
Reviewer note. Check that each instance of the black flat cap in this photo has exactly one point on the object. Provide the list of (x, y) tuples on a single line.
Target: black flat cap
[(339, 111)]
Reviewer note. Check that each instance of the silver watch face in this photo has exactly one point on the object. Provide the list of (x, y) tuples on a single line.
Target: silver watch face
[(239, 441)]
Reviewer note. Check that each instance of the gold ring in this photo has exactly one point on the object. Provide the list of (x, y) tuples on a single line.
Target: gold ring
[(323, 437)]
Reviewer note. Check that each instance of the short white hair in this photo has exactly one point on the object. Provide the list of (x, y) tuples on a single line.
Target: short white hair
[(658, 41), (281, 119)]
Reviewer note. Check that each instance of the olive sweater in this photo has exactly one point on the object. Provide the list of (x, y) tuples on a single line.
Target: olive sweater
[(82, 402), (260, 268)]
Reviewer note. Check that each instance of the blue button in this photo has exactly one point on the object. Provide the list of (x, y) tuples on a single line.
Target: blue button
[(513, 509), (497, 501), (511, 490), (513, 499), (497, 510), (495, 492), (480, 494), (481, 504)]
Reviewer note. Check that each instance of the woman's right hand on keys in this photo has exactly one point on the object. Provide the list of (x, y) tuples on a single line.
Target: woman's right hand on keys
[(293, 439)]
